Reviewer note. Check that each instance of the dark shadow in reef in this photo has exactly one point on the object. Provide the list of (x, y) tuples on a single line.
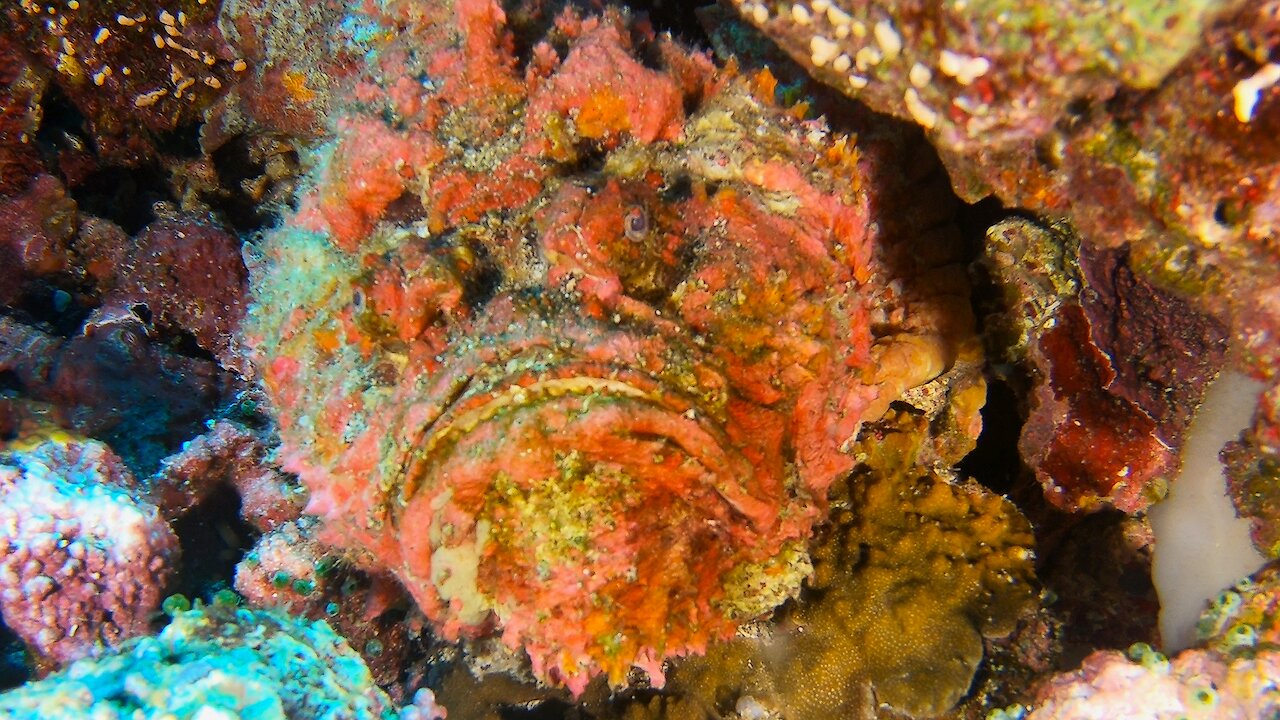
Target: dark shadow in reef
[(13, 660), (213, 539)]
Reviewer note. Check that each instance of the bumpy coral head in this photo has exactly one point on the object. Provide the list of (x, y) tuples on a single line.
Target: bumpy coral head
[(573, 363)]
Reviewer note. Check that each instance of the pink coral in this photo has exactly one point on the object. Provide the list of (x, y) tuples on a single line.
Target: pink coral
[(1196, 685), (85, 558)]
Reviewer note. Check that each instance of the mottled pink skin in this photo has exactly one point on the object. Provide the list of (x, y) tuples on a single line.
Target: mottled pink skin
[(607, 92), (676, 349), (1196, 685), (363, 178), (85, 558)]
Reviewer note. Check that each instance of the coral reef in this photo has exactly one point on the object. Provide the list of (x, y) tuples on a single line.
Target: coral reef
[(216, 661), (1090, 116), (20, 117), (289, 570), (1162, 152), (889, 614), (110, 382), (158, 64), (1232, 674), (1243, 619), (598, 406), (1101, 574), (1253, 473), (85, 558), (295, 72), (40, 225), (916, 572), (229, 454), (984, 77), (565, 369)]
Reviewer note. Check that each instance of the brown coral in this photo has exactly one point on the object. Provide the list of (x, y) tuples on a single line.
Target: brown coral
[(916, 573)]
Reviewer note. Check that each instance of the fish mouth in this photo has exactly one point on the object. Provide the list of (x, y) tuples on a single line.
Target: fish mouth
[(517, 395), (615, 416), (477, 397)]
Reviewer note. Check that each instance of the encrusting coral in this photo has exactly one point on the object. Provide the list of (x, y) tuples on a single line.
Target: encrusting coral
[(217, 661), (83, 556), (1196, 685), (916, 573), (578, 352), (603, 365)]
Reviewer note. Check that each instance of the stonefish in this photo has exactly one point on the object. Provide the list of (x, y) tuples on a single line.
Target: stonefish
[(573, 333)]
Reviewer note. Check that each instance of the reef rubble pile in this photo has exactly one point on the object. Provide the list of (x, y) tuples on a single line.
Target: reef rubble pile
[(744, 360)]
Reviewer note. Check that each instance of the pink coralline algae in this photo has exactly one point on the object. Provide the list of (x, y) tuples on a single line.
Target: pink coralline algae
[(189, 276), (83, 561), (1196, 685), (576, 352), (228, 454), (1232, 676)]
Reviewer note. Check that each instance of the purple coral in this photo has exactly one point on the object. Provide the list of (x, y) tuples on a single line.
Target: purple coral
[(84, 560)]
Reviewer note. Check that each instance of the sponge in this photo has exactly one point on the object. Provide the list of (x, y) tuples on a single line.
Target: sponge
[(1201, 545)]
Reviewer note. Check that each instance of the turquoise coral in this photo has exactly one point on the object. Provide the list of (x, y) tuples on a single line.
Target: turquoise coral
[(218, 661)]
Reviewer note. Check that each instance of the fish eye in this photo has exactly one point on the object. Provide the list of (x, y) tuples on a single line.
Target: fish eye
[(636, 224)]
